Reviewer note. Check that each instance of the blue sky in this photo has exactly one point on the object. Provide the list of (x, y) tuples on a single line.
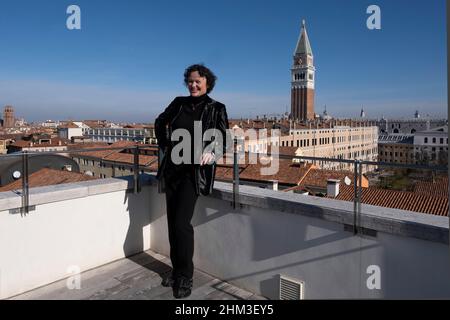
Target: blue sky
[(127, 61)]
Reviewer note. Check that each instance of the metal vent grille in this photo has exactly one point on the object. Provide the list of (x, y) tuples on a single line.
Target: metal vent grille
[(291, 289)]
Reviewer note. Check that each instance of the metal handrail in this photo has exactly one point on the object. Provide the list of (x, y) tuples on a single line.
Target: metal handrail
[(25, 155), (18, 154), (357, 167)]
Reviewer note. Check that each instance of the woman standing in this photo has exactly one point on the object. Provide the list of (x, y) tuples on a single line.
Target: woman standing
[(184, 181)]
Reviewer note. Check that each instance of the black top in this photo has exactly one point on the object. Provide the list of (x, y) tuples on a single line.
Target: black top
[(190, 112)]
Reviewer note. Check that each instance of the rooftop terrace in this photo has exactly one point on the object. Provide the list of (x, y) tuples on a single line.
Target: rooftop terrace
[(135, 278), (103, 230)]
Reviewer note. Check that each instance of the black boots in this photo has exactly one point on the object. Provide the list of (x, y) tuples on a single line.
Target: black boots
[(182, 287), (168, 281)]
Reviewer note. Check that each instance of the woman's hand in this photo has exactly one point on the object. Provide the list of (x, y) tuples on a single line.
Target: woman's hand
[(207, 158)]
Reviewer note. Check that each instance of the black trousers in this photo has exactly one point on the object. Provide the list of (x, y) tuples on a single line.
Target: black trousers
[(180, 203)]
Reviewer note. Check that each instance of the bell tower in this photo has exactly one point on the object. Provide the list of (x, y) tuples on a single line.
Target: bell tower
[(302, 79)]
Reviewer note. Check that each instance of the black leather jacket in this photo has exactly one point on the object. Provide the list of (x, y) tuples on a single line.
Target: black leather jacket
[(214, 116)]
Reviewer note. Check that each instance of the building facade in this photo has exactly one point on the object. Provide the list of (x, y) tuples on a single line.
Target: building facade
[(431, 146), (144, 135), (396, 148), (409, 126), (339, 142)]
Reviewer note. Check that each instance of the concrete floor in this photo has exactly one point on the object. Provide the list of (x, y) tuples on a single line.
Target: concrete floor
[(136, 278)]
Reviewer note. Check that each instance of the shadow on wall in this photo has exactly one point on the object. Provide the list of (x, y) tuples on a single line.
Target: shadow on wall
[(142, 212), (263, 228), (252, 230), (296, 242)]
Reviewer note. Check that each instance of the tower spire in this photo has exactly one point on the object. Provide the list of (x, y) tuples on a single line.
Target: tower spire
[(303, 45)]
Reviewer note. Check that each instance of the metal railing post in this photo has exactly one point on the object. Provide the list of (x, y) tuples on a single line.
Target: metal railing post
[(136, 170), (355, 196), (25, 184), (235, 175), (359, 194)]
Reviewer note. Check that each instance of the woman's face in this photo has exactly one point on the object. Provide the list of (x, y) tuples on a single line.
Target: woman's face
[(196, 84)]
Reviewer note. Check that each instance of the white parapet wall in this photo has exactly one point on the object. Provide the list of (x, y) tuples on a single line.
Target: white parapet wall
[(80, 226), (395, 254), (72, 228)]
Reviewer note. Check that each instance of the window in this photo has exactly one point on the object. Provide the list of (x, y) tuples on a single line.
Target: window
[(434, 140), (425, 140), (441, 141)]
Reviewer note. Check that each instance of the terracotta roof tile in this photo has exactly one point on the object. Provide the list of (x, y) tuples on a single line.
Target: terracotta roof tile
[(48, 177), (225, 173), (318, 178), (436, 188), (54, 143), (68, 125), (404, 200), (103, 153), (288, 172), (128, 158), (288, 151), (118, 155)]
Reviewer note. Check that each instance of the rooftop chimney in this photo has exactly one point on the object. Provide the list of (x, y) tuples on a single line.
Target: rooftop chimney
[(333, 187)]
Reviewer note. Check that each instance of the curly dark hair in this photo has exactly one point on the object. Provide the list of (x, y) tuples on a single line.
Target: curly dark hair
[(203, 72)]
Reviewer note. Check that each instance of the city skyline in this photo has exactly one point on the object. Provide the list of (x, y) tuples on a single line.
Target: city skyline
[(125, 62)]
